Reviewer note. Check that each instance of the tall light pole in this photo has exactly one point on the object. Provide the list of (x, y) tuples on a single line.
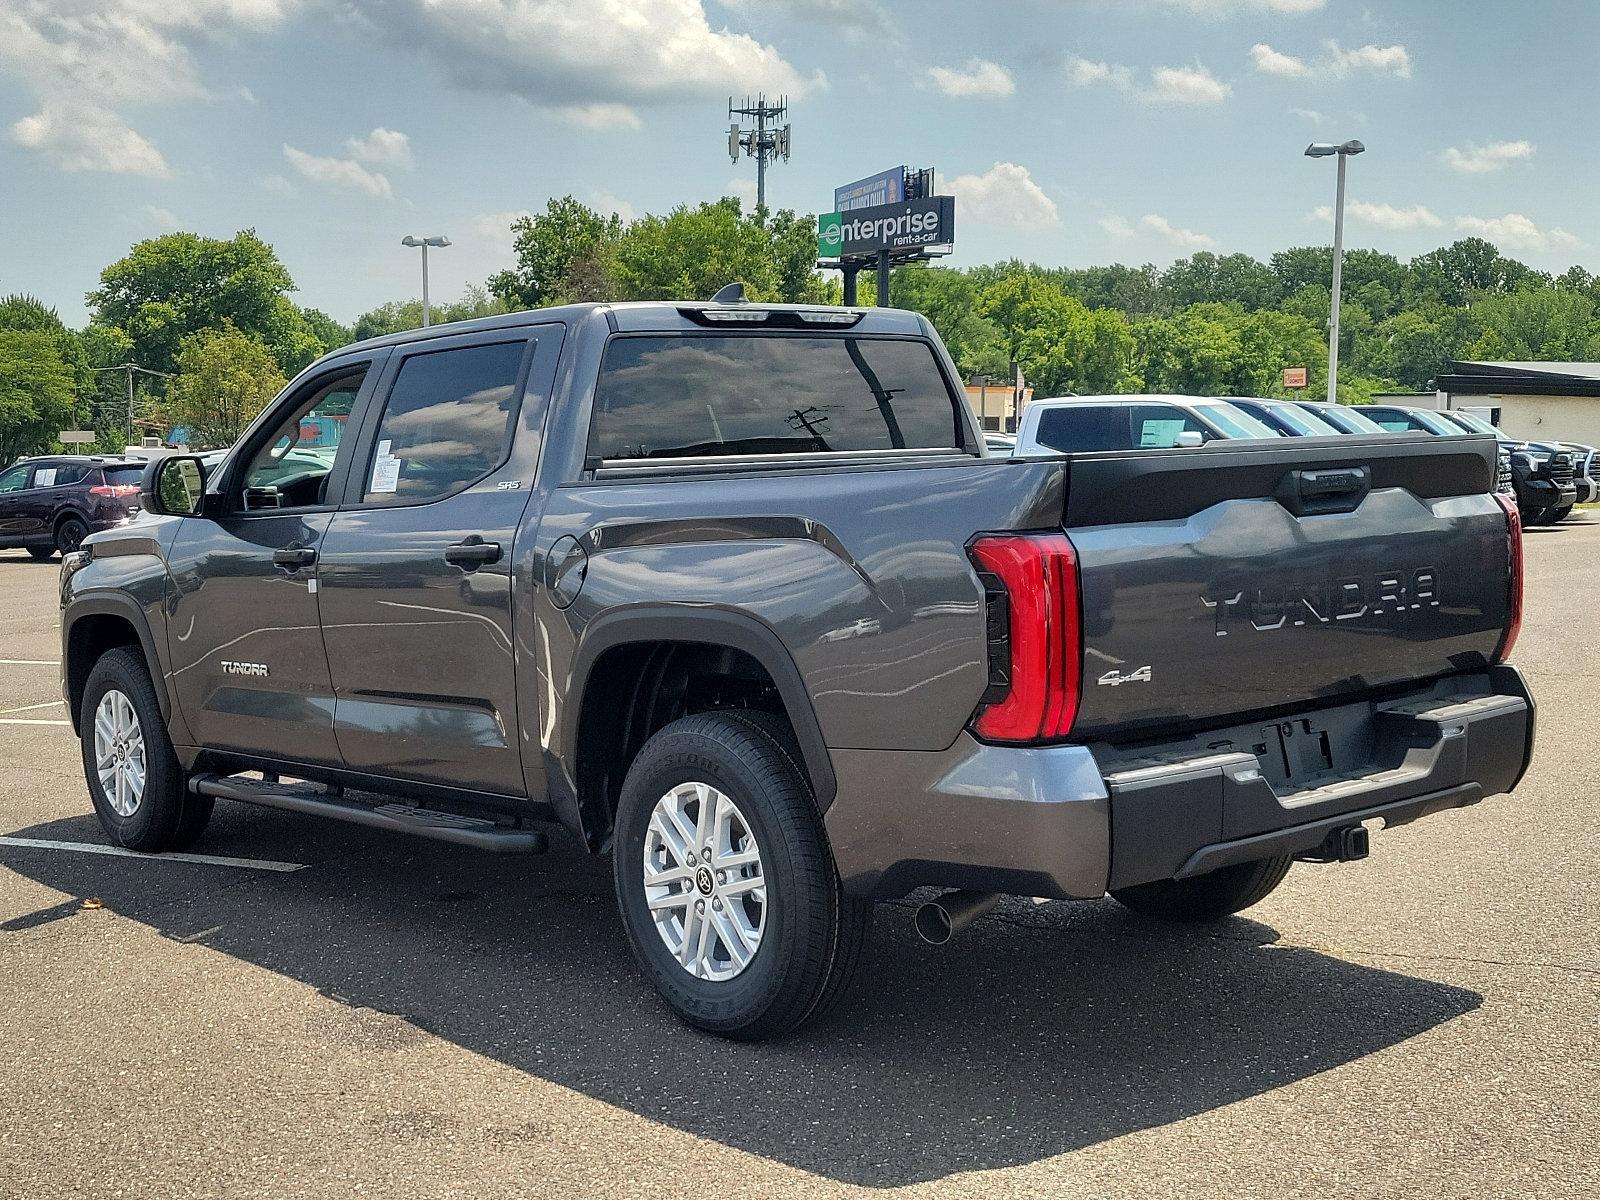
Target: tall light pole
[(1342, 152), (425, 242)]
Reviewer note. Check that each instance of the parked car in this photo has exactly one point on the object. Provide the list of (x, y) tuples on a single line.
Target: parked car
[(1541, 476), (1085, 423), (1585, 467), (1286, 417), (734, 593), (1003, 444), (1343, 417), (52, 503)]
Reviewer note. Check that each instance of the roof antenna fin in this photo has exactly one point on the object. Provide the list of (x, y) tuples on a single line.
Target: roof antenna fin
[(732, 293)]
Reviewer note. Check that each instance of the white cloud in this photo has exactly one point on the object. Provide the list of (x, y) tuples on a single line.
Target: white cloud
[(278, 186), (1309, 114), (1118, 227), (743, 187), (1273, 62), (1084, 72), (1168, 85), (601, 116), (1188, 85), (1383, 60), (339, 172), (86, 137), (1183, 239), (1005, 194), (494, 229), (162, 218), (1480, 160), (558, 54), (382, 148), (979, 77), (606, 204), (83, 60), (1516, 232), (1384, 216)]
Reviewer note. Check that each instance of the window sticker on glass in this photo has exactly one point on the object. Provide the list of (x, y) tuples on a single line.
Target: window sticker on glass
[(385, 469), (44, 477), (1159, 434)]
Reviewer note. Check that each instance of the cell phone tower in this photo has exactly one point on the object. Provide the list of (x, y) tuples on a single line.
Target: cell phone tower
[(765, 141)]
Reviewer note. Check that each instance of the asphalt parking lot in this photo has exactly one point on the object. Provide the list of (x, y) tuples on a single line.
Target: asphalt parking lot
[(399, 1019)]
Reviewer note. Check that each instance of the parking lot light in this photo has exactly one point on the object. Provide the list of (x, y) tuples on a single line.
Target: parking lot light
[(412, 240), (1342, 151)]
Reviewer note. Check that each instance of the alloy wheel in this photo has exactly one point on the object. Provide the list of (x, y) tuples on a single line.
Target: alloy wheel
[(119, 756)]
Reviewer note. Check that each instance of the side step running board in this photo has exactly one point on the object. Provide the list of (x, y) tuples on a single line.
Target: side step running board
[(401, 818)]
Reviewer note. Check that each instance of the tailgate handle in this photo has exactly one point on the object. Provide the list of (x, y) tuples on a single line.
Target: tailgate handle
[(1334, 490)]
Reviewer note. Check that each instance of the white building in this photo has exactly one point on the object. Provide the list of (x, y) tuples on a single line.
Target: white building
[(1539, 401)]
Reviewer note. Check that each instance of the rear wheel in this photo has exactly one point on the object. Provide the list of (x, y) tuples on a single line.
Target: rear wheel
[(70, 534), (726, 885), (42, 553), (134, 779), (1207, 897)]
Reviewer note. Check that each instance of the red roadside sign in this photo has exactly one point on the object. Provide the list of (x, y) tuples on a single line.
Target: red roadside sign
[(1294, 377)]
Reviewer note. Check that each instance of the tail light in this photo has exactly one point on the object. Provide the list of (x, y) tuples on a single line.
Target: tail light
[(1508, 640), (1034, 636), (114, 489)]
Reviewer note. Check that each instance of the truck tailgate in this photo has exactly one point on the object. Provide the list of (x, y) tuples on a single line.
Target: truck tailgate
[(1248, 577)]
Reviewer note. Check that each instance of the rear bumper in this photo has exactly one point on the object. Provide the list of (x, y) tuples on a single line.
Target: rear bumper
[(1072, 821)]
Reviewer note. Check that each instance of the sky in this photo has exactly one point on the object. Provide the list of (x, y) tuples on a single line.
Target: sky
[(1071, 132)]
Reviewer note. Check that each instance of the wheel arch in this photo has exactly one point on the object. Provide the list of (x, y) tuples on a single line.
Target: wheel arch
[(640, 646), (94, 624)]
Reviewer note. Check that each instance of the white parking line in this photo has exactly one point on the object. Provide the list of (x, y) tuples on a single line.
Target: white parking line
[(30, 721), (31, 707), (30, 662), (214, 860)]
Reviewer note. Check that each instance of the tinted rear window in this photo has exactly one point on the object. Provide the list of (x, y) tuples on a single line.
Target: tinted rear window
[(1082, 427), (683, 396), (123, 475)]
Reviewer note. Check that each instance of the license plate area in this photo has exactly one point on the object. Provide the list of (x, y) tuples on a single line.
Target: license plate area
[(1294, 752)]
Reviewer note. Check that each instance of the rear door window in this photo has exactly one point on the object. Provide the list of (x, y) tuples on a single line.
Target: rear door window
[(691, 396), (60, 475), (447, 423)]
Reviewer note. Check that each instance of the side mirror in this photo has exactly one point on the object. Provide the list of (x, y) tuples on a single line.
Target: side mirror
[(175, 485), (1189, 439)]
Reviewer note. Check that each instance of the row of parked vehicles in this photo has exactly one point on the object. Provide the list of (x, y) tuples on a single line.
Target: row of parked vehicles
[(1547, 478)]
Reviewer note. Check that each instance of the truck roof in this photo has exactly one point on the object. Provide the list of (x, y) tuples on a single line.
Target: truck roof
[(644, 315)]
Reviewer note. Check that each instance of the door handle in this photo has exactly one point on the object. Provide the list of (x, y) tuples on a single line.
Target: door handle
[(473, 552), (294, 557)]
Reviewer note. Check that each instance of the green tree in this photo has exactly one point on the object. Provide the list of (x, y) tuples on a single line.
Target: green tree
[(1192, 353), (170, 287), (563, 250), (1071, 348), (1461, 272), (328, 332), (1205, 276), (1547, 324), (948, 299), (397, 316), (224, 379), (692, 252), (35, 392)]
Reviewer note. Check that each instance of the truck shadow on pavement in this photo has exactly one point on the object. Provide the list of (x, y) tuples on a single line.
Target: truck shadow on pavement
[(1040, 1031)]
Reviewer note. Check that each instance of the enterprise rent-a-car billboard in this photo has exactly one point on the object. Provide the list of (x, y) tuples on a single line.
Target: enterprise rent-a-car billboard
[(893, 227)]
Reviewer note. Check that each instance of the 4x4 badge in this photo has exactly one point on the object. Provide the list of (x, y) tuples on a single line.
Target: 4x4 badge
[(1116, 678)]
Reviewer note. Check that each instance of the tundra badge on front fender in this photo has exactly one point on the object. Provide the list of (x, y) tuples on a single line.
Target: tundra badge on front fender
[(244, 668)]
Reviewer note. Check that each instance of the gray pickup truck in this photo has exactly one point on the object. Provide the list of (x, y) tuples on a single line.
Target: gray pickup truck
[(736, 593)]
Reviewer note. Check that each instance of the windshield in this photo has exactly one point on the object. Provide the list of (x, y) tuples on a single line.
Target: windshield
[(1347, 419), (1477, 424), (1412, 420), (1298, 419), (1235, 422)]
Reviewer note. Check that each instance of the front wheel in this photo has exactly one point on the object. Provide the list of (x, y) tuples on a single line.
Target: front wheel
[(1557, 515), (727, 888), (70, 535), (1209, 896), (134, 778), (41, 553)]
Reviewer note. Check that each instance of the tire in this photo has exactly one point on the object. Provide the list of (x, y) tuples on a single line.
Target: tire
[(70, 534), (1207, 897), (41, 553), (810, 935), (1557, 515), (161, 815)]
